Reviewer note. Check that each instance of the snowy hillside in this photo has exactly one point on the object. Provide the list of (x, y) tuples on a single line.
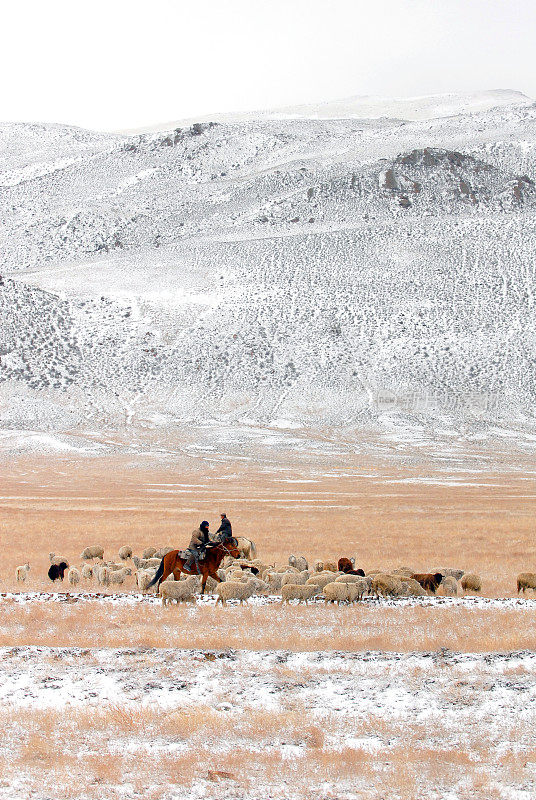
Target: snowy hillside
[(365, 273)]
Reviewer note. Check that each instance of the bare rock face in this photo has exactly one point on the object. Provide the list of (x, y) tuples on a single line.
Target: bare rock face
[(303, 270)]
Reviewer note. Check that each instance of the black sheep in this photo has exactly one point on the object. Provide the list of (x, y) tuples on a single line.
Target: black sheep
[(57, 571), (254, 570)]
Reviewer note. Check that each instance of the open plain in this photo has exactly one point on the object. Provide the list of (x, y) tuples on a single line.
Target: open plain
[(105, 693)]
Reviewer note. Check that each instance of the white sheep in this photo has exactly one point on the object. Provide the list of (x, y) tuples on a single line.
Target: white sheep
[(73, 576), (413, 588), (449, 586), (54, 559), (386, 584), (260, 587), (103, 576), (21, 572), (178, 591), (450, 572), (362, 585), (289, 577), (210, 586), (274, 580), (237, 575), (404, 572), (163, 551), (125, 552), (143, 579), (90, 553), (336, 592), (87, 572), (320, 579), (342, 592), (118, 576), (299, 562), (318, 566), (148, 552), (346, 578), (284, 568), (299, 591), (234, 590)]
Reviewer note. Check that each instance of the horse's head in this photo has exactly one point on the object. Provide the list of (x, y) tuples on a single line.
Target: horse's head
[(230, 545)]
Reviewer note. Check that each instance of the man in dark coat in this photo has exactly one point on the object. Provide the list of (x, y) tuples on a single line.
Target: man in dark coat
[(198, 543), (225, 528)]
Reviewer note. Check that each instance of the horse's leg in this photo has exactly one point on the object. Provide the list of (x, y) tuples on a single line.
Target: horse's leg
[(214, 575), (204, 581)]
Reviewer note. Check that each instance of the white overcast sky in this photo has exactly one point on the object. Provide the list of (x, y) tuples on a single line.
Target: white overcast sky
[(112, 64)]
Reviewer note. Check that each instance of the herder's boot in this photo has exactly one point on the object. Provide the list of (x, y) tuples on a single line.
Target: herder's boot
[(190, 563)]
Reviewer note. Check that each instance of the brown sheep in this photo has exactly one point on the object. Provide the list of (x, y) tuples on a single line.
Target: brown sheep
[(346, 566), (471, 583), (384, 584), (526, 580), (428, 580), (330, 566)]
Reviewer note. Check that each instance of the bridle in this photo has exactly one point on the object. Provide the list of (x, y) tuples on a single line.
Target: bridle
[(222, 544)]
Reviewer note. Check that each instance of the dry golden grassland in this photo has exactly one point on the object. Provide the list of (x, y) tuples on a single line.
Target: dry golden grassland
[(297, 628), (373, 514)]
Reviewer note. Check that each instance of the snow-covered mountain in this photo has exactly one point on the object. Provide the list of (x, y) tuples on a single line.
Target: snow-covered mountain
[(371, 107), (368, 274)]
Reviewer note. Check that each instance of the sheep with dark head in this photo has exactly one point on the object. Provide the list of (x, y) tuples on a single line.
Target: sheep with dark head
[(428, 580), (346, 565)]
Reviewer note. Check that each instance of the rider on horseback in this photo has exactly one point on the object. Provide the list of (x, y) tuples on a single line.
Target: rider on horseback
[(225, 530), (196, 548)]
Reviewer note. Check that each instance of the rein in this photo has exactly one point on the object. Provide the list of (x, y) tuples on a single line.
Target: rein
[(226, 549)]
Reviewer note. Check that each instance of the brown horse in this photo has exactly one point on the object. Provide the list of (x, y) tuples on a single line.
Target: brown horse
[(215, 553)]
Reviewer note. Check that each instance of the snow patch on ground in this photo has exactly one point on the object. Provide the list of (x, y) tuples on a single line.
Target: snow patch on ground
[(137, 599)]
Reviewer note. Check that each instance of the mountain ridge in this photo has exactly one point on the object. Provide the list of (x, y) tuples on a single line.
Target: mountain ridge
[(421, 107), (304, 274)]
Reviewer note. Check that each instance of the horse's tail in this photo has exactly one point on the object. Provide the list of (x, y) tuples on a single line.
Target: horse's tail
[(253, 549), (158, 574)]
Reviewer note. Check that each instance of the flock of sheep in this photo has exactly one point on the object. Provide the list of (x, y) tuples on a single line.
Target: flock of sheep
[(247, 576)]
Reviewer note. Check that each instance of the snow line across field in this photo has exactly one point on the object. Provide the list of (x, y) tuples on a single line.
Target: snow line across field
[(132, 599), (334, 683)]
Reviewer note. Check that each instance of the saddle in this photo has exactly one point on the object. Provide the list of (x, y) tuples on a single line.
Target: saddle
[(185, 555)]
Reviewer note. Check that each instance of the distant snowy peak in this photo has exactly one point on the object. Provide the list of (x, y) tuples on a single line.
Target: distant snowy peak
[(371, 107), (409, 108)]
